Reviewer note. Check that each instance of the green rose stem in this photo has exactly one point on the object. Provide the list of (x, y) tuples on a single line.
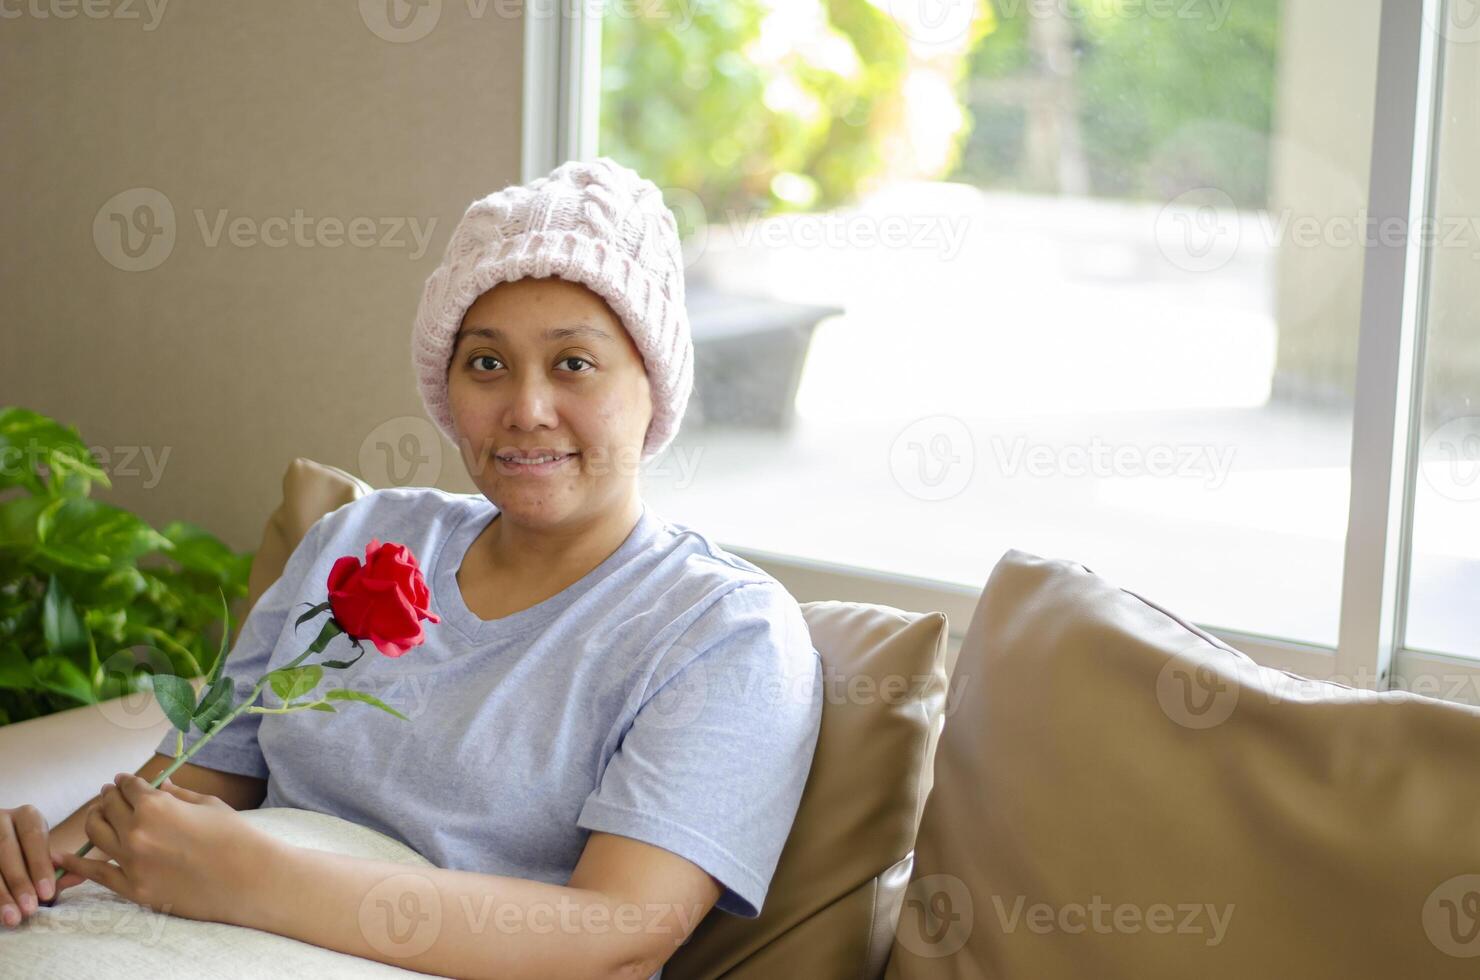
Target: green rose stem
[(218, 692)]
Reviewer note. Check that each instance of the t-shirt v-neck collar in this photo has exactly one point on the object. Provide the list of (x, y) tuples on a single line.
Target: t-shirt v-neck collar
[(447, 599)]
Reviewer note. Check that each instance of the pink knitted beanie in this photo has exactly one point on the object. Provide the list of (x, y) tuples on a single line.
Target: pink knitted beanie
[(597, 223)]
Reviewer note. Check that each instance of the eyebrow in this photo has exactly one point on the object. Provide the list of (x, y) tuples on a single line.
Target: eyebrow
[(554, 333)]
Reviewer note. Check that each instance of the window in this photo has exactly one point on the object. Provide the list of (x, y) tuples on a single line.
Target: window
[(1444, 588), (1080, 277)]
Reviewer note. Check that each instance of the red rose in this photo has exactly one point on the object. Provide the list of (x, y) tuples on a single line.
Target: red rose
[(384, 600)]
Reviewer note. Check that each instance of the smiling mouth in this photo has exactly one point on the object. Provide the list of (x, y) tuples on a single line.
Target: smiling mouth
[(543, 460)]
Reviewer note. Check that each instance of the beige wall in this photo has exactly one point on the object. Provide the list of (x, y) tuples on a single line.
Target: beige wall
[(229, 358)]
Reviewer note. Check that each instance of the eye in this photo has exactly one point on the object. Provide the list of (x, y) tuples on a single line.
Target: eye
[(483, 357), (582, 360)]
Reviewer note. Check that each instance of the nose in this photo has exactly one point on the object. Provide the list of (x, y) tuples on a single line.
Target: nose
[(532, 403)]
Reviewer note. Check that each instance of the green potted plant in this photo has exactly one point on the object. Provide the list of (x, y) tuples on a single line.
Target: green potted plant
[(93, 600)]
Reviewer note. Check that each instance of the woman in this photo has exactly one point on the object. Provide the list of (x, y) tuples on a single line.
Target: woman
[(611, 716)]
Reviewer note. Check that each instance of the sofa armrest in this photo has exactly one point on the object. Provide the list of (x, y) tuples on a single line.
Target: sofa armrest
[(57, 762)]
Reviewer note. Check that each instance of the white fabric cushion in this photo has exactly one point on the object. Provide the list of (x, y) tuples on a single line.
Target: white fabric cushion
[(91, 932)]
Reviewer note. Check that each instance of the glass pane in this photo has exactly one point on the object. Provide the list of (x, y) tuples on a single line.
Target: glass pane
[(1079, 277), (1444, 582)]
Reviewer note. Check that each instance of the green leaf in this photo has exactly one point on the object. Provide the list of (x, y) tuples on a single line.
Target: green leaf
[(295, 682), (34, 439), (94, 536), (216, 703), (198, 550), (19, 518), (15, 669), (331, 629), (310, 614), (108, 623), (341, 664), (343, 695), (63, 677), (321, 706), (63, 629), (220, 663), (176, 697)]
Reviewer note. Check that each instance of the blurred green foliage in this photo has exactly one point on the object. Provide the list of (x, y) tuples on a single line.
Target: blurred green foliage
[(1164, 103), (94, 601), (684, 104)]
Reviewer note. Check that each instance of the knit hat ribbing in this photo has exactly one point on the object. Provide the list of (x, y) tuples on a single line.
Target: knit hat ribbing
[(597, 223)]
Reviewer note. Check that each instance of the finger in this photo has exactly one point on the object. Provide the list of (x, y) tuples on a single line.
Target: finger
[(31, 831), (117, 809), (68, 878), (133, 788), (110, 876), (188, 795), (101, 832), (19, 894)]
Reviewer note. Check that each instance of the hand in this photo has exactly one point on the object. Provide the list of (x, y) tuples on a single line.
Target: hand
[(178, 852), (26, 870)]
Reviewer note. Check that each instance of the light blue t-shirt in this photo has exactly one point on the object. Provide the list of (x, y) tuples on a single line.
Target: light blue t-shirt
[(672, 695)]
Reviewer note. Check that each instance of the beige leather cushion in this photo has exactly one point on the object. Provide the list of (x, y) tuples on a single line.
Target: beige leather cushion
[(835, 896), (310, 490), (1108, 759)]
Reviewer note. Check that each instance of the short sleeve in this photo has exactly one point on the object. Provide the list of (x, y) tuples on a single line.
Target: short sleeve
[(234, 749), (714, 762)]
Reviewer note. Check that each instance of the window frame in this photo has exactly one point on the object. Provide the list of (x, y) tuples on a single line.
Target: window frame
[(561, 106)]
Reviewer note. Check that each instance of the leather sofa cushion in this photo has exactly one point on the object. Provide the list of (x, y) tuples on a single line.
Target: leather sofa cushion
[(1118, 794)]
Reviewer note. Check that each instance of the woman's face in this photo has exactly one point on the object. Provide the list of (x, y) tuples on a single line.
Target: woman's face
[(545, 365)]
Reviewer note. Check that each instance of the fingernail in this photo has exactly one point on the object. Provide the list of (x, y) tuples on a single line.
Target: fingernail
[(28, 903), (10, 915), (46, 888)]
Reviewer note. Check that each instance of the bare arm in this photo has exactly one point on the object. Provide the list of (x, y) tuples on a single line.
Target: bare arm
[(627, 907), (242, 792)]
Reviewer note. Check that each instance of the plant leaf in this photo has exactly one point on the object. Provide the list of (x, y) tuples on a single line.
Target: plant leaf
[(321, 706), (310, 614), (38, 439), (198, 550), (216, 703), (341, 664), (331, 629), (176, 697), (94, 536), (295, 682), (220, 663), (62, 628), (15, 669), (63, 677), (339, 694)]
